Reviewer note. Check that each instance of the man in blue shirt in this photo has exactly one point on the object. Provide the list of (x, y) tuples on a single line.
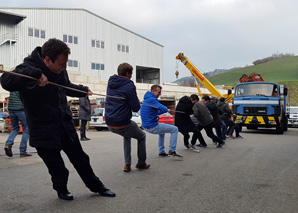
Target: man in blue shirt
[(150, 110)]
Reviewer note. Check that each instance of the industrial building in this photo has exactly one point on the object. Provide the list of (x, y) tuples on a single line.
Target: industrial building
[(97, 45)]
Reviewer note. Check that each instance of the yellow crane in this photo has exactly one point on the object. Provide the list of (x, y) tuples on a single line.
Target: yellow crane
[(199, 76)]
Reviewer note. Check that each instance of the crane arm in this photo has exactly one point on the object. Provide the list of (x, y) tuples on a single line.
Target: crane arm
[(198, 75)]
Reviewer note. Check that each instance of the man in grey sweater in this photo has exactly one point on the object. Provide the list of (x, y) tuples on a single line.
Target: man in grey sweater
[(205, 119)]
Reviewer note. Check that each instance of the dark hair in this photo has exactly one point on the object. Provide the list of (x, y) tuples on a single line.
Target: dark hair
[(54, 47), (124, 68), (153, 87), (194, 97), (222, 99), (206, 98)]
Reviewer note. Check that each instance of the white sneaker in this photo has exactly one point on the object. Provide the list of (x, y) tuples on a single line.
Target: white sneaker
[(194, 148)]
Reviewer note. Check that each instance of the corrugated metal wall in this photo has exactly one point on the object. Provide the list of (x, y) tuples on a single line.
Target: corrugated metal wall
[(86, 26)]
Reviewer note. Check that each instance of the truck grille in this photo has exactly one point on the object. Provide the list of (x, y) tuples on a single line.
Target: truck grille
[(255, 110)]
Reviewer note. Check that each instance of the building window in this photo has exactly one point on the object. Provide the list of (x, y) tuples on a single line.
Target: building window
[(30, 32), (42, 34), (65, 38), (72, 63), (97, 44), (36, 33), (75, 40), (70, 39), (97, 66), (122, 48)]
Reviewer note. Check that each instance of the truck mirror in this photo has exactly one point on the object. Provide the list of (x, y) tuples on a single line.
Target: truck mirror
[(229, 91), (285, 91)]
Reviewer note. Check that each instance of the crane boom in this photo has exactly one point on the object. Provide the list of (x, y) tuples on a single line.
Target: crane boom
[(198, 75)]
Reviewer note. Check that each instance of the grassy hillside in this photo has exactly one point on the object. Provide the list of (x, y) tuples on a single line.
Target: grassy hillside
[(283, 69)]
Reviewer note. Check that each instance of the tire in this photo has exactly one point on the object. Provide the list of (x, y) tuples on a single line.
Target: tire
[(98, 128), (280, 129)]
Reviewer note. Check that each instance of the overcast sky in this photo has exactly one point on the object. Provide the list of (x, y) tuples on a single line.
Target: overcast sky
[(213, 34)]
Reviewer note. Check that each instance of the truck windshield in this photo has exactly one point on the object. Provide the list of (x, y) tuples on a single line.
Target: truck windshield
[(256, 90)]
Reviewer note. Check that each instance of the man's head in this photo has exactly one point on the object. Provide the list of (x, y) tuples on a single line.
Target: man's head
[(54, 54), (194, 98), (156, 90), (125, 70), (206, 99), (222, 99)]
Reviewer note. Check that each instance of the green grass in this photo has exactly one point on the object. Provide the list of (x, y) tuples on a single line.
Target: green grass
[(283, 69)]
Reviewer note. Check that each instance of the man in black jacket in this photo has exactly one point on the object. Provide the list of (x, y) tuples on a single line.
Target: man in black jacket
[(51, 128), (185, 124)]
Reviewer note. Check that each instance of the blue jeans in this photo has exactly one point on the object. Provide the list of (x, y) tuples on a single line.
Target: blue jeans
[(16, 117), (161, 129)]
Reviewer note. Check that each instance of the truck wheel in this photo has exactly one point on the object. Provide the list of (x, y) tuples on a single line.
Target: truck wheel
[(286, 124), (280, 129), (98, 128)]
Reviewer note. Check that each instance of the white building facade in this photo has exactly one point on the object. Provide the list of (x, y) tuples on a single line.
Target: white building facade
[(97, 45)]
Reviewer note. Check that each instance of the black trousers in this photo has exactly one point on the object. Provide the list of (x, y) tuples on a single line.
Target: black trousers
[(83, 128), (80, 160), (196, 134), (209, 132)]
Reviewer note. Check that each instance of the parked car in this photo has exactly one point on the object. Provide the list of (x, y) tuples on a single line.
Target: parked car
[(98, 119), (166, 118)]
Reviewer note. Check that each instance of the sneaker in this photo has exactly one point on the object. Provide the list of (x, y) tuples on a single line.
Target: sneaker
[(143, 166), (194, 148), (163, 154), (127, 168), (22, 155), (187, 146), (200, 145), (239, 136), (8, 151), (231, 136), (220, 144), (175, 154)]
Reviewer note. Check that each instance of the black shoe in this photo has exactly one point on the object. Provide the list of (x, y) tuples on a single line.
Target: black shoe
[(84, 139), (163, 154), (25, 154), (65, 196), (106, 192), (87, 138), (8, 151)]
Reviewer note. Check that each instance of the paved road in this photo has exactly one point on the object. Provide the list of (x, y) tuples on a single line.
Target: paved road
[(256, 174)]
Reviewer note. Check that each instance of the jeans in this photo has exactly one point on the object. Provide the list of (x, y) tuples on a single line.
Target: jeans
[(223, 130), (161, 129), (16, 117), (132, 131)]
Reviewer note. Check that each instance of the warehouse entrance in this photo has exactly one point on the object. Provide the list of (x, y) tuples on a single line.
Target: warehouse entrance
[(147, 75)]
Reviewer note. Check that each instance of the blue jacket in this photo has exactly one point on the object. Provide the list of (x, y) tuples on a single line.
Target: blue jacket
[(118, 111), (149, 115)]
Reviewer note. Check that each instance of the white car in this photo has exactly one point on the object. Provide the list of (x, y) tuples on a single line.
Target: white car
[(98, 119)]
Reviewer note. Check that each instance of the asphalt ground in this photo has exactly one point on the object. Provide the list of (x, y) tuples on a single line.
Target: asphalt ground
[(256, 174)]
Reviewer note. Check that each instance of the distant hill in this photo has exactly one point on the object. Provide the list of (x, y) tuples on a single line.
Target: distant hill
[(283, 69)]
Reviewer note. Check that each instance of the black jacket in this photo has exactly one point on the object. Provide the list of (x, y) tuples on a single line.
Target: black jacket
[(47, 112), (214, 110), (183, 120), (226, 111), (85, 109)]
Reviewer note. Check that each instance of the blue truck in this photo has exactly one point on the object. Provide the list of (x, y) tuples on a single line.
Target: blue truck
[(261, 104)]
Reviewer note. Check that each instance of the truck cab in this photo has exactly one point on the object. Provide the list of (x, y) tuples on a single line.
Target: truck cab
[(261, 104)]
